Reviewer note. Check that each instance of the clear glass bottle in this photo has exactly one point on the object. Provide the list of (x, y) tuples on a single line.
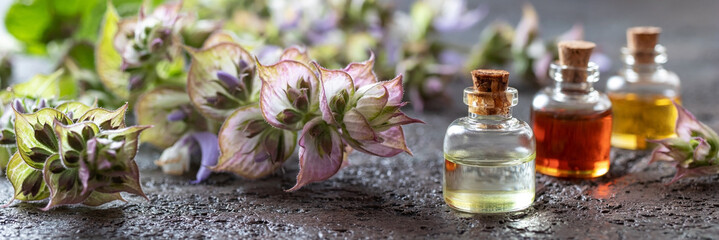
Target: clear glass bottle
[(642, 95), (489, 159), (572, 122)]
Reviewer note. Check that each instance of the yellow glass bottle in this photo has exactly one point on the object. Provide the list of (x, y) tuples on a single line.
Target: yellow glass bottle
[(642, 93)]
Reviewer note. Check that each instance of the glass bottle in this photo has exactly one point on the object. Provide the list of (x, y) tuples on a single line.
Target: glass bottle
[(572, 121), (642, 92), (489, 155)]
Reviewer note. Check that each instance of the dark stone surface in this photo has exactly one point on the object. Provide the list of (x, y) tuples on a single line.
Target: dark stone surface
[(401, 197)]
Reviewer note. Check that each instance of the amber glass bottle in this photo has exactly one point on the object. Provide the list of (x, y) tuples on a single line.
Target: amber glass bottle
[(572, 122), (642, 92)]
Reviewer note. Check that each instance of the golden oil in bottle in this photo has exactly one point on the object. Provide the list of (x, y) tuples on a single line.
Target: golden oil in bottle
[(639, 118), (642, 92)]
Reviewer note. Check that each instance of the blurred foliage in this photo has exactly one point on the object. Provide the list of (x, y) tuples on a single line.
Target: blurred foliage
[(37, 23)]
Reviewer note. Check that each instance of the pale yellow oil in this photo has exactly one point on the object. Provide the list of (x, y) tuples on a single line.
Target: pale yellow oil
[(489, 186), (638, 118)]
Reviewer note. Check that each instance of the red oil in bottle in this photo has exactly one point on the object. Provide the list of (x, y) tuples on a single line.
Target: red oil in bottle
[(572, 145)]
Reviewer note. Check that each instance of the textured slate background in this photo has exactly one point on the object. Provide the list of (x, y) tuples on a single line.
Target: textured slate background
[(401, 197)]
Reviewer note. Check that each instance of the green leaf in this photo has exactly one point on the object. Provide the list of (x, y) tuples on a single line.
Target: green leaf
[(68, 8), (67, 87), (129, 181), (28, 182), (64, 183), (126, 183), (106, 119), (92, 18), (5, 153), (40, 86), (108, 61), (35, 136), (83, 53), (77, 109), (130, 135), (28, 21), (172, 72)]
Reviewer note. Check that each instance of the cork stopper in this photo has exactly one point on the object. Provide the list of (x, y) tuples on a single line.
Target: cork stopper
[(641, 42), (575, 55), (490, 92)]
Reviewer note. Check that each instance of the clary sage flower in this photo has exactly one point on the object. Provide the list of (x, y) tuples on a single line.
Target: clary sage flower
[(693, 151), (136, 54), (332, 111), (72, 154)]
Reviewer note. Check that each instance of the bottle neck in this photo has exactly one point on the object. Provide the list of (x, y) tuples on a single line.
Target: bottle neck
[(644, 68), (501, 121), (488, 107), (644, 62), (573, 88), (497, 117), (574, 80)]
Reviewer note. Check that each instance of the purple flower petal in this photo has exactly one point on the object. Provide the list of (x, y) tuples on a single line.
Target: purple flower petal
[(230, 80), (210, 149), (156, 44), (455, 17), (42, 104), (18, 106), (602, 60), (541, 68), (416, 98), (573, 34), (527, 27), (451, 57), (176, 115)]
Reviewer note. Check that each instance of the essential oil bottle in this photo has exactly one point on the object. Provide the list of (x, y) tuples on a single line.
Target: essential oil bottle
[(489, 155), (571, 120), (642, 92)]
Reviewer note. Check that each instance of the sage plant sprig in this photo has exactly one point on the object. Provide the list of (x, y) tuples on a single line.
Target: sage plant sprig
[(326, 112), (73, 154), (695, 150)]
